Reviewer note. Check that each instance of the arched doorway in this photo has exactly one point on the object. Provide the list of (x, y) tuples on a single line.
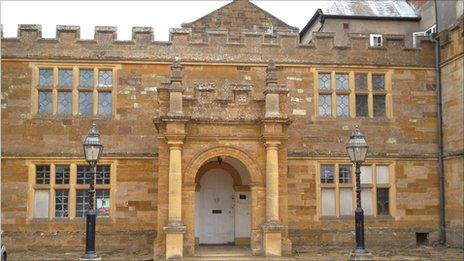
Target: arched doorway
[(222, 203)]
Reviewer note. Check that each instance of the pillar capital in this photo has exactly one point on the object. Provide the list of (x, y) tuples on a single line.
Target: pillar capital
[(175, 144), (272, 144)]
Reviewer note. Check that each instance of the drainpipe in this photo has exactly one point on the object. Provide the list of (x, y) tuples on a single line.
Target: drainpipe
[(441, 172)]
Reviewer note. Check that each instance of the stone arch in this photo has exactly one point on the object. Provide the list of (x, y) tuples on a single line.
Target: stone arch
[(194, 165)]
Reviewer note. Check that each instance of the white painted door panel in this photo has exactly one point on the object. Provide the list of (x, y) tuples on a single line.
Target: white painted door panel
[(216, 212)]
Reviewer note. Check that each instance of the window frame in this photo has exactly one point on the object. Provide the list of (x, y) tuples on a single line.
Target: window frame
[(74, 89), (352, 93), (373, 187), (71, 187), (373, 42)]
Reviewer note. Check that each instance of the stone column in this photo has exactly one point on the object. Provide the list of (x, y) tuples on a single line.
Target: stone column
[(175, 229), (273, 131), (272, 230), (272, 182)]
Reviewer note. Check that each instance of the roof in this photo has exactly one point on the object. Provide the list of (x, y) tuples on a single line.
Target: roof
[(367, 9)]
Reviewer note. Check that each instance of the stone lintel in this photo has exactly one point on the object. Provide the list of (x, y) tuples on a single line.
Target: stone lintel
[(174, 118), (274, 120)]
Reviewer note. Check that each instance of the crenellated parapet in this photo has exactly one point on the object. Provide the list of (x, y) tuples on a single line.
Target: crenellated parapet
[(254, 46)]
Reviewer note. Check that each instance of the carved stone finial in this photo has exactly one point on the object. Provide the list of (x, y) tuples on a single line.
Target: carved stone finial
[(271, 73), (176, 70)]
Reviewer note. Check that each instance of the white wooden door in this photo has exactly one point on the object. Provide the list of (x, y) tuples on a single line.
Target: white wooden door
[(216, 213)]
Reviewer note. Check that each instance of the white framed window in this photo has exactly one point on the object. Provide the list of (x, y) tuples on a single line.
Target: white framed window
[(337, 189), (376, 40), (432, 29)]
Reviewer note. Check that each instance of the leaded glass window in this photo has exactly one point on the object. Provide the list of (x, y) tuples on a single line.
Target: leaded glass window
[(344, 173), (343, 105), (103, 202), (378, 82), (325, 105), (327, 173), (42, 174), (61, 203), (84, 174), (361, 106), (342, 82), (104, 103), (103, 174), (65, 103), (383, 207), (85, 103), (361, 81), (65, 77), (379, 105), (45, 77), (45, 102), (82, 202), (62, 174), (105, 78), (86, 78), (324, 81)]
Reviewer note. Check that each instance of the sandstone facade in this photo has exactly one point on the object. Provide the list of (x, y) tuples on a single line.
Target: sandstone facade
[(252, 97)]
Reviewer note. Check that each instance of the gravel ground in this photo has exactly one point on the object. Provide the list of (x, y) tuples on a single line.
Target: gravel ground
[(302, 253)]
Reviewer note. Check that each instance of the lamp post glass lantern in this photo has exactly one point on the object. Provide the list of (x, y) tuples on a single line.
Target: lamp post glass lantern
[(92, 152), (357, 149)]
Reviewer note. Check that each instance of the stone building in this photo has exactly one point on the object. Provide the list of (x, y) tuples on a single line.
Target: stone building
[(234, 131)]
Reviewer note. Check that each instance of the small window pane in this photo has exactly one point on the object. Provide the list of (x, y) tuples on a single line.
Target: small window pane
[(344, 173), (103, 175), (105, 78), (327, 173), (42, 174), (324, 81), (65, 77), (382, 201), (103, 202), (104, 103), (86, 78), (328, 202), (361, 81), (366, 174), (346, 201), (62, 174), (45, 77), (82, 202), (343, 106), (378, 82), (45, 102), (383, 175), (342, 82), (64, 103), (325, 105), (85, 103), (61, 203), (361, 106), (379, 105), (84, 174), (366, 201), (41, 203)]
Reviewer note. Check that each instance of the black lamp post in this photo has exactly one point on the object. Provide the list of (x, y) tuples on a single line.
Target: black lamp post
[(357, 150), (92, 151)]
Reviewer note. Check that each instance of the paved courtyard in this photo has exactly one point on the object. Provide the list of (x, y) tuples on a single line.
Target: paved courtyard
[(242, 253)]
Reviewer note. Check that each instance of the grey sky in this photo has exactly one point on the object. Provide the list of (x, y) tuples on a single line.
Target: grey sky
[(161, 15)]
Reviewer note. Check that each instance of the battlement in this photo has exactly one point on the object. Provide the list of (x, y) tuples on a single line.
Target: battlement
[(254, 42)]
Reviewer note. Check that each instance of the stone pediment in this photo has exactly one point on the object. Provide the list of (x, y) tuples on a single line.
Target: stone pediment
[(235, 17)]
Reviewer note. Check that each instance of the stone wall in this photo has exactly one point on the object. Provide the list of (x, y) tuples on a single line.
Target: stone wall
[(453, 131), (416, 207), (133, 219)]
